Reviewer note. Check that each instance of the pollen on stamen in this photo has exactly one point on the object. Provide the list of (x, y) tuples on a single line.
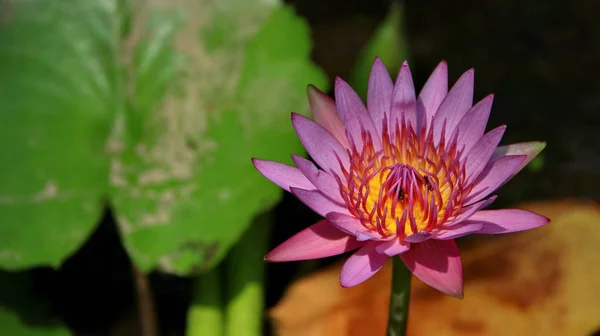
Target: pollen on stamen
[(408, 186)]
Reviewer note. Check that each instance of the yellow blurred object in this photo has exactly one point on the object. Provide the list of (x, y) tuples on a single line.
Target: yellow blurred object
[(539, 282)]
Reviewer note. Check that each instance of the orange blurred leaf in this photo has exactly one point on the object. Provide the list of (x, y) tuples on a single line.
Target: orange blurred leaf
[(540, 282)]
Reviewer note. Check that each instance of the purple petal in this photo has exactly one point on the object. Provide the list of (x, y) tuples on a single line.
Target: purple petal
[(438, 264), (404, 103), (379, 93), (345, 223), (361, 265), (320, 240), (351, 225), (392, 247), (479, 156), (468, 211), (367, 235), (320, 144), (325, 114), (354, 114), (283, 175), (530, 149), (472, 125), (324, 181), (418, 237), (458, 230), (456, 104), (507, 220), (318, 202), (495, 174), (432, 94)]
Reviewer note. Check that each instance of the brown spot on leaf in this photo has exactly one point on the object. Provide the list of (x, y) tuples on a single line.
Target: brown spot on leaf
[(530, 286), (468, 327), (425, 294), (495, 268), (191, 143), (50, 190), (522, 274), (6, 11), (207, 251)]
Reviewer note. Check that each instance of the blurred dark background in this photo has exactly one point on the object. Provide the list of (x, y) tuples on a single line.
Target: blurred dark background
[(540, 58)]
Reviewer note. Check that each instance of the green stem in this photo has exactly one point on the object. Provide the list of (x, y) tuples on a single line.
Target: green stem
[(399, 299), (205, 315), (245, 275)]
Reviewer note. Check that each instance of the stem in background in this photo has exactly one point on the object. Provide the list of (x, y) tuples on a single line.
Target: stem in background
[(205, 315), (399, 298), (245, 275), (145, 303)]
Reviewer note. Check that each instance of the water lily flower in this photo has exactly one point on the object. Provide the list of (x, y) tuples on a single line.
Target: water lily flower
[(402, 176)]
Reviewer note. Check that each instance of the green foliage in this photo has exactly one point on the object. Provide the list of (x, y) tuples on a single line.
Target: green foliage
[(537, 164), (22, 314), (57, 102), (184, 188), (155, 108)]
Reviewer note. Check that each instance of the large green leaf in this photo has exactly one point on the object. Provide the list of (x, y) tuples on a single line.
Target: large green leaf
[(23, 314), (213, 85), (57, 98)]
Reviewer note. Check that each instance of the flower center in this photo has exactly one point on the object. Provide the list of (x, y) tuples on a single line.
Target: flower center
[(410, 186)]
